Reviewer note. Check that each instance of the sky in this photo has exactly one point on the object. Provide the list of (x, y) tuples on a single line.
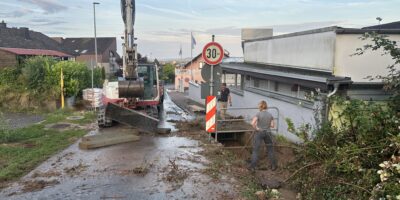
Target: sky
[(163, 26)]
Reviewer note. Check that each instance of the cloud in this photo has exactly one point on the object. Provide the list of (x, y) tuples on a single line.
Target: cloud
[(169, 11), (46, 22), (17, 13), (226, 31), (49, 6)]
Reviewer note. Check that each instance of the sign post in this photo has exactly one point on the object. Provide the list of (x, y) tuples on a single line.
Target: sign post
[(213, 53)]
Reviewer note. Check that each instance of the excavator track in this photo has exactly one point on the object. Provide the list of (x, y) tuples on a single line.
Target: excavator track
[(132, 118)]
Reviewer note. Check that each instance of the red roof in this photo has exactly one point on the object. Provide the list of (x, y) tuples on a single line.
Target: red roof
[(35, 52)]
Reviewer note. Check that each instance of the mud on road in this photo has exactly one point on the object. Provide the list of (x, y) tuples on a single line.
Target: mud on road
[(156, 167)]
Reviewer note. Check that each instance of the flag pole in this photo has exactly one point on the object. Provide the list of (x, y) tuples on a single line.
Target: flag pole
[(191, 55), (181, 81), (62, 88)]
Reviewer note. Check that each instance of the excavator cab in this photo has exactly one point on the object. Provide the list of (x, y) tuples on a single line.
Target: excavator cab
[(148, 72)]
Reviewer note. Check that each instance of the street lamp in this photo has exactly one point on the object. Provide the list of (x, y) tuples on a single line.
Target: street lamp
[(95, 47)]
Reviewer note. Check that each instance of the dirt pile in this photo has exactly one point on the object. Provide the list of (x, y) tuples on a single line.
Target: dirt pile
[(75, 170), (36, 185), (47, 174)]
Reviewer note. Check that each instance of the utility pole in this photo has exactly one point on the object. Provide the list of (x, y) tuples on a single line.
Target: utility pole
[(95, 33), (95, 49)]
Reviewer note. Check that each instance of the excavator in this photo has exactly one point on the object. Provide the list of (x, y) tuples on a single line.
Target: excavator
[(136, 98)]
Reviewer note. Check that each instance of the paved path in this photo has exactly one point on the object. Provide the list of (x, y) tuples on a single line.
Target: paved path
[(156, 167), (21, 120)]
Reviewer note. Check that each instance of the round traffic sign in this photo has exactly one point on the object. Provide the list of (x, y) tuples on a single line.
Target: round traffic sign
[(213, 53)]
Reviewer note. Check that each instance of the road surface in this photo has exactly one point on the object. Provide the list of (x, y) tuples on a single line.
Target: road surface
[(156, 167)]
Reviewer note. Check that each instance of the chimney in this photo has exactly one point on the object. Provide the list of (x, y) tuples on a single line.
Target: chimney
[(3, 24)]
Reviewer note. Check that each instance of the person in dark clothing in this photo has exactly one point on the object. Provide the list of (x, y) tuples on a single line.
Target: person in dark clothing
[(262, 123), (224, 99)]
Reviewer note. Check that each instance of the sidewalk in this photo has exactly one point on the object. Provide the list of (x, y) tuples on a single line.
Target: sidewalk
[(183, 100)]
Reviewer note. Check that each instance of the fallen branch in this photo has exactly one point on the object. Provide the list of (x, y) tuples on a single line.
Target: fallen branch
[(356, 186), (249, 147), (296, 172)]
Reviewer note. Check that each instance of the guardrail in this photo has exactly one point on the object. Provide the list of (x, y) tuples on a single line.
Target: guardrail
[(222, 123)]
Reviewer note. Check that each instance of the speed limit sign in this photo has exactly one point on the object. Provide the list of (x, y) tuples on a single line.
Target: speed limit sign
[(213, 53)]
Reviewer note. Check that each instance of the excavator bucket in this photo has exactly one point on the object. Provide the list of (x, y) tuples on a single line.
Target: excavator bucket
[(133, 118)]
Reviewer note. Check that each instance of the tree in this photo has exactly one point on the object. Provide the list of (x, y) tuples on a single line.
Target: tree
[(36, 72), (168, 73)]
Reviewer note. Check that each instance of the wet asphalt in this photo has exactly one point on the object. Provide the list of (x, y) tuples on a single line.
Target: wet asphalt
[(170, 168)]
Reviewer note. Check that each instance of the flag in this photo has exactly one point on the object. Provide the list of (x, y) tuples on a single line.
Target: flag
[(193, 41)]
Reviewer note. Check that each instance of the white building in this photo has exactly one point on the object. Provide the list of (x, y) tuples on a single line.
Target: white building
[(284, 69)]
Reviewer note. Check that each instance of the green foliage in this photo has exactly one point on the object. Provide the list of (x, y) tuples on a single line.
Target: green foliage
[(389, 47), (76, 76), (37, 71), (23, 149), (303, 132), (37, 82), (346, 159), (8, 76), (168, 73), (359, 157)]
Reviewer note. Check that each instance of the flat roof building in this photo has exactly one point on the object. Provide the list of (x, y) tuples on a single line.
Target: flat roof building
[(286, 70)]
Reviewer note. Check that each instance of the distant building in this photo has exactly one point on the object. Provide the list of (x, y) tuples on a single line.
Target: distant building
[(15, 56), (17, 44), (393, 25), (83, 50), (285, 69), (191, 71)]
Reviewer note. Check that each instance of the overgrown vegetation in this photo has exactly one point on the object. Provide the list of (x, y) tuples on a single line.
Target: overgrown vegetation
[(168, 73), (21, 150), (357, 154), (35, 85)]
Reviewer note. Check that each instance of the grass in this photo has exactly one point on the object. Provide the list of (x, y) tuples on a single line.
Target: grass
[(21, 150), (250, 189)]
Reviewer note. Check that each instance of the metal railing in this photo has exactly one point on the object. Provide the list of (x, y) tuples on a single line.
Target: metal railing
[(223, 122)]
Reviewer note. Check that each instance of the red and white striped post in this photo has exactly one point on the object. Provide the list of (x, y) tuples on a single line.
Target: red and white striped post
[(211, 112)]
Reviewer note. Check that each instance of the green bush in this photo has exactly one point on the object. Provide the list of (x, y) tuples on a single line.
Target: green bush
[(168, 73), (359, 157), (37, 81), (346, 159), (8, 76)]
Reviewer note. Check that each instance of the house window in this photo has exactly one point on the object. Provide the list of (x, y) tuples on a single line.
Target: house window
[(239, 82), (230, 79), (234, 80)]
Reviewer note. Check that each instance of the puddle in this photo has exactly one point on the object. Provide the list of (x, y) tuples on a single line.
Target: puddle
[(75, 118), (146, 169), (112, 172), (171, 114)]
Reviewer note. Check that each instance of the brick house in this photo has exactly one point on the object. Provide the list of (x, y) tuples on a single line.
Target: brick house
[(19, 43), (83, 50), (191, 71), (15, 56)]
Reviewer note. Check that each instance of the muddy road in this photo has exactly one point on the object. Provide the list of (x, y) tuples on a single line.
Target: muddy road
[(156, 167)]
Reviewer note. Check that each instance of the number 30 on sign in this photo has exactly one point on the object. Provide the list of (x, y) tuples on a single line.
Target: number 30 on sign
[(213, 53)]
